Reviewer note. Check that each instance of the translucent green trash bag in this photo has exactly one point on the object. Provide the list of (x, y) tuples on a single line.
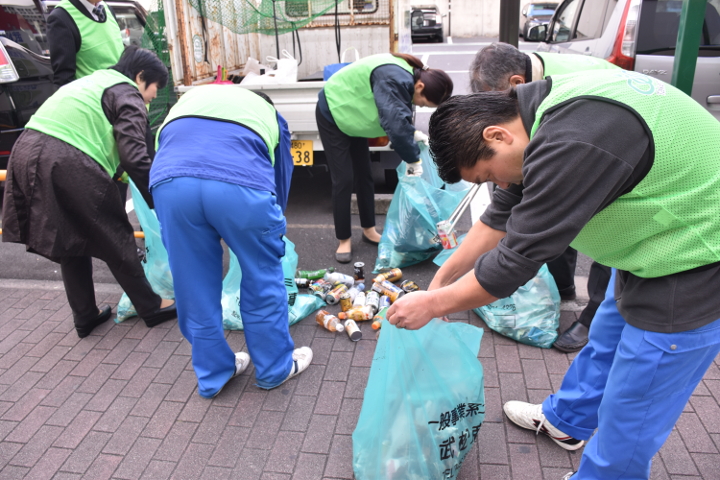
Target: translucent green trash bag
[(418, 204), (424, 403), (531, 315), (299, 305), (155, 264)]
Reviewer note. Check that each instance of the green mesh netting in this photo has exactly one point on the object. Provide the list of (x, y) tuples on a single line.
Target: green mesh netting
[(153, 38), (249, 16)]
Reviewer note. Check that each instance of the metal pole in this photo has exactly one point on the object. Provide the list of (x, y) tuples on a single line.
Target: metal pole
[(277, 40), (688, 44), (509, 21)]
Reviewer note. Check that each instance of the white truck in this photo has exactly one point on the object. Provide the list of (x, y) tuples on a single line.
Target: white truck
[(197, 46)]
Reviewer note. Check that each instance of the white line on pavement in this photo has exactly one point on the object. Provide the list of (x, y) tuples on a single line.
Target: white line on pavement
[(480, 202), (129, 206), (449, 40), (424, 58)]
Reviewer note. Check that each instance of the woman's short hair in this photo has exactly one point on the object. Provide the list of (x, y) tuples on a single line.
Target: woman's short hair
[(135, 60)]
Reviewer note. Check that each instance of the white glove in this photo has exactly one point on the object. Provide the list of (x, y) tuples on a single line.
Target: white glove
[(421, 137), (414, 169)]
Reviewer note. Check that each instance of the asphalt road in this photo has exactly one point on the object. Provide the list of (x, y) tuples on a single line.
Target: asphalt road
[(309, 214)]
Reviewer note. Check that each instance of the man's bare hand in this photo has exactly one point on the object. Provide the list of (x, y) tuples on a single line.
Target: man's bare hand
[(412, 311)]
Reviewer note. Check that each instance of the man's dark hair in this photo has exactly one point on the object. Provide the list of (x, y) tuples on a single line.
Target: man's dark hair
[(494, 65), (457, 126), (135, 60), (264, 96)]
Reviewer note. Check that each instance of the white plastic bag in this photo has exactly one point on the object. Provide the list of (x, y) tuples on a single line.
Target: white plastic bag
[(286, 68)]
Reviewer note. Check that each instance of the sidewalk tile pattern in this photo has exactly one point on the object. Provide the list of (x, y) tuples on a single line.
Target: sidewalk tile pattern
[(123, 404)]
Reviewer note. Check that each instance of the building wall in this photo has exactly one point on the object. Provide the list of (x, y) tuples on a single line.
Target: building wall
[(469, 18)]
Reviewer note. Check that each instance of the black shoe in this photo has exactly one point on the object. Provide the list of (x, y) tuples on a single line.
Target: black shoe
[(367, 240), (573, 339), (160, 316), (102, 317), (345, 257)]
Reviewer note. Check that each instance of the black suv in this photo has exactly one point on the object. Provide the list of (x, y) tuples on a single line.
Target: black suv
[(426, 23), (25, 71)]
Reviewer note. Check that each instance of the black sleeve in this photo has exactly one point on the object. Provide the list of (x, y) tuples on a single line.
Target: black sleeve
[(583, 156), (124, 108), (64, 41), (393, 89)]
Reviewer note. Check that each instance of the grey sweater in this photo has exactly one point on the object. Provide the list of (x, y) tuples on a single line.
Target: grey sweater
[(584, 156)]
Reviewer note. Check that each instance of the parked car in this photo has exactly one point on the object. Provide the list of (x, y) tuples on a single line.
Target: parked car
[(535, 14), (426, 23), (25, 71), (637, 35)]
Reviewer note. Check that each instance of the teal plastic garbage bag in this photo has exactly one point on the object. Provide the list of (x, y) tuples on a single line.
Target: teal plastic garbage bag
[(299, 305), (531, 315), (155, 264), (424, 403), (418, 204)]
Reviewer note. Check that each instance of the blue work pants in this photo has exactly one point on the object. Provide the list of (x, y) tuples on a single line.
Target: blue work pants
[(631, 385), (194, 215)]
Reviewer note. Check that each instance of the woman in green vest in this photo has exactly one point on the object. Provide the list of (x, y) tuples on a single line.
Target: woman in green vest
[(370, 98), (60, 200)]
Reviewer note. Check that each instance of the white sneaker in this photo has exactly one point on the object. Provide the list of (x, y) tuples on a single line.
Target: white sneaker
[(242, 361), (568, 475), (301, 361), (531, 417)]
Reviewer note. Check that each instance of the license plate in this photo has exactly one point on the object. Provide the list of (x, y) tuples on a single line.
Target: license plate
[(302, 152)]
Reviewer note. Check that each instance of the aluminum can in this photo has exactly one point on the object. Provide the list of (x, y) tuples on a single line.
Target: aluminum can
[(345, 302), (333, 296), (409, 286), (353, 330), (302, 282), (359, 270), (392, 275), (384, 302), (389, 289), (373, 300), (448, 238)]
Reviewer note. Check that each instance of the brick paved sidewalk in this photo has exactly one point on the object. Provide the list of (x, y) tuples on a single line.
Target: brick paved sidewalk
[(122, 403)]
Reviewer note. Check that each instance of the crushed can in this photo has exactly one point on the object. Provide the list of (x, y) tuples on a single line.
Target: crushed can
[(409, 286)]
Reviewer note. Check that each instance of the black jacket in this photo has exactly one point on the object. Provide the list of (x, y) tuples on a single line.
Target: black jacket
[(64, 39)]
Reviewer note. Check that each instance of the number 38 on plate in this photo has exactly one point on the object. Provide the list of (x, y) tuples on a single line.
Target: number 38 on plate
[(302, 152)]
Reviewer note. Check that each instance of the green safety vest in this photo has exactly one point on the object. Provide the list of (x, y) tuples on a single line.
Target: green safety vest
[(670, 221), (74, 114), (100, 43), (350, 98), (229, 103), (562, 64)]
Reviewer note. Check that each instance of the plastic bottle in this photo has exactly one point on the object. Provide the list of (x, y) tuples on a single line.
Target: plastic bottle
[(329, 321), (392, 275), (359, 314), (339, 277), (313, 274), (360, 299), (378, 318), (355, 290)]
